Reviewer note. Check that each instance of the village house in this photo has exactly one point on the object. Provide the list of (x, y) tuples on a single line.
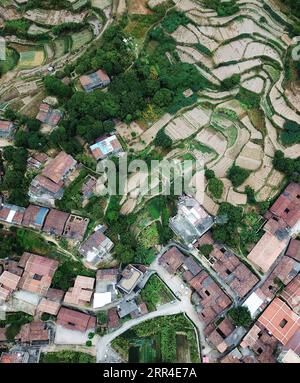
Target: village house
[(36, 160), (34, 217), (48, 306), (291, 294), (95, 80), (229, 268), (113, 320), (171, 260), (11, 214), (47, 187), (191, 221), (260, 343), (55, 222), (127, 307), (224, 335), (131, 277), (75, 228), (7, 129), (88, 188), (293, 250), (48, 116), (280, 320), (75, 320), (106, 147), (105, 292), (283, 222), (34, 333), (8, 284), (81, 293), (14, 357), (38, 273), (96, 248), (209, 298)]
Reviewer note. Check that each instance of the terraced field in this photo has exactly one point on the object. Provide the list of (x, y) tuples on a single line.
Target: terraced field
[(253, 43)]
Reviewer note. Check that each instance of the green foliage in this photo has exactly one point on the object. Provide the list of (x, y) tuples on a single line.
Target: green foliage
[(64, 28), (88, 343), (67, 357), (237, 175), (209, 174), (67, 272), (240, 316), (250, 195), (288, 166), (55, 87), (13, 324), (250, 100), (102, 317), (206, 249), (154, 293), (223, 8), (14, 180), (173, 19), (231, 82), (291, 133), (216, 187), (162, 139)]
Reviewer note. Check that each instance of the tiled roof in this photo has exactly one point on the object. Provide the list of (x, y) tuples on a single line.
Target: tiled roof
[(57, 168), (74, 320), (280, 320)]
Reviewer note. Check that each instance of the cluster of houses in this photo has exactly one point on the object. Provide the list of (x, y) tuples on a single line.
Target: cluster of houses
[(267, 282), (25, 285)]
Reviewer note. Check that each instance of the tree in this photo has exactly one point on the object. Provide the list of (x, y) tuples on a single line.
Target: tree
[(55, 87), (88, 343), (209, 174), (206, 249), (240, 316), (237, 175), (216, 187), (163, 97), (231, 82), (162, 139)]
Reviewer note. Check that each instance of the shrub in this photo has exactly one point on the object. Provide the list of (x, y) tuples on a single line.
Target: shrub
[(216, 187), (240, 316), (163, 140), (237, 175)]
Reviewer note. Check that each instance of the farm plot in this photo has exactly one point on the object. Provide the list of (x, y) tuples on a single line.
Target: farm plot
[(81, 38), (30, 56), (254, 84), (101, 4), (138, 7), (250, 157)]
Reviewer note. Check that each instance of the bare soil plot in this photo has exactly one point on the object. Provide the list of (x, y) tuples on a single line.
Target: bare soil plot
[(250, 157), (236, 198), (138, 7), (212, 139), (254, 84)]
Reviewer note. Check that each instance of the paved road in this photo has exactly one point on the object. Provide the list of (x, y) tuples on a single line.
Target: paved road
[(104, 342)]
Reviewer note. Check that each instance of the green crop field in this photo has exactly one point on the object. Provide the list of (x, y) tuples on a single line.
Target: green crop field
[(81, 38), (12, 58)]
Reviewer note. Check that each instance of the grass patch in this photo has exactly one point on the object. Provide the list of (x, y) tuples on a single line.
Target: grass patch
[(67, 357), (155, 293)]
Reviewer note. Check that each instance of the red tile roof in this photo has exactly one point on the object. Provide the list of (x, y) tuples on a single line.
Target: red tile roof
[(33, 332), (291, 294), (280, 320), (55, 222), (58, 168), (293, 250), (75, 320), (171, 260)]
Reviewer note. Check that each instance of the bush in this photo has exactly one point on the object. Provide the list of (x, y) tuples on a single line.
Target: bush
[(231, 82), (209, 174), (216, 187), (88, 343), (162, 139), (206, 249), (237, 175), (240, 316)]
